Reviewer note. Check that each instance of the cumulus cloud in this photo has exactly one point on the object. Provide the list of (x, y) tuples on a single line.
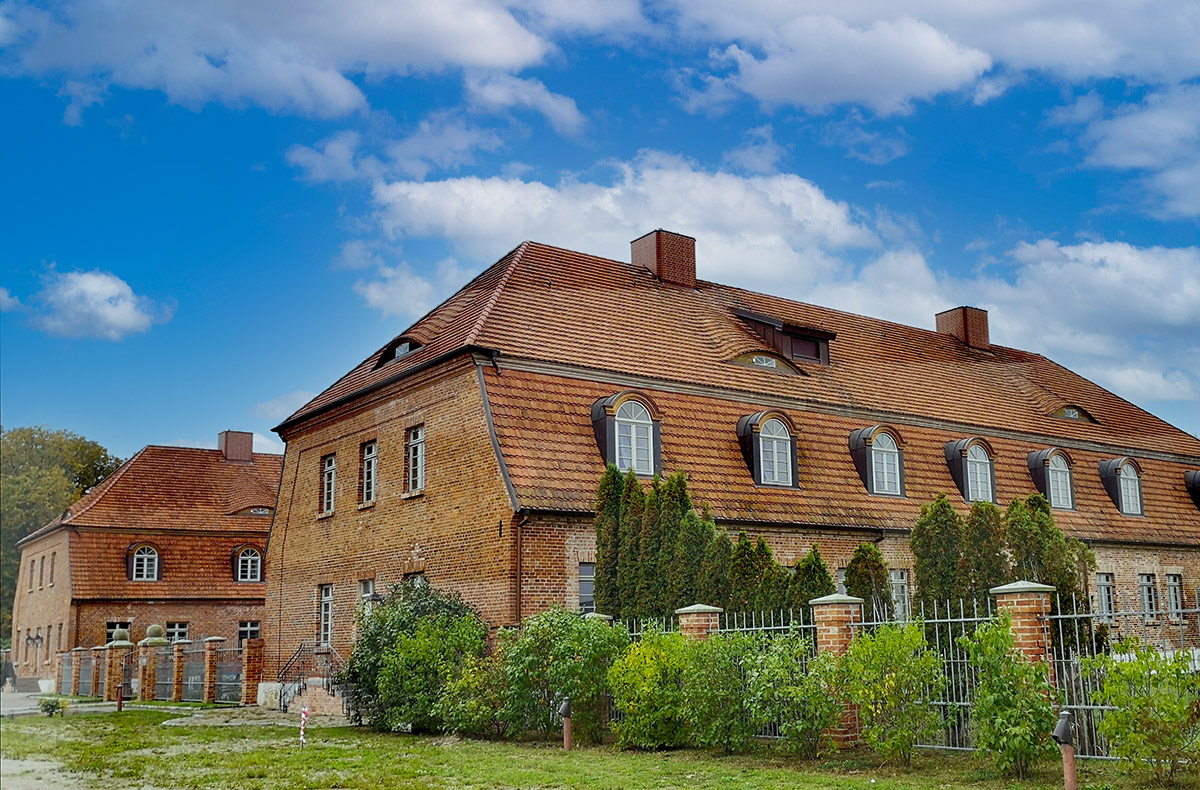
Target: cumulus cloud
[(440, 142), (8, 302), (333, 159), (872, 147), (498, 93), (401, 291), (283, 406), (93, 304), (759, 153)]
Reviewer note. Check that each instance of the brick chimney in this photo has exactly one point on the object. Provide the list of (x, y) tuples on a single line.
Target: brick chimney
[(968, 324), (671, 257), (236, 446)]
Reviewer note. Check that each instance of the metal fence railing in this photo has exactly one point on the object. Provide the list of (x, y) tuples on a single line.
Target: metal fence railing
[(193, 675), (638, 626), (228, 682), (64, 673), (164, 673)]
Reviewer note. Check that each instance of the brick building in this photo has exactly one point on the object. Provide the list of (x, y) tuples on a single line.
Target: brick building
[(468, 449), (174, 537)]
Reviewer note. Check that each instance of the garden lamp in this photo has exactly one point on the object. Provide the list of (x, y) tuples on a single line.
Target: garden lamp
[(564, 710), (1064, 736)]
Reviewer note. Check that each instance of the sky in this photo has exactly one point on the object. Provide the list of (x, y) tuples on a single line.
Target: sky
[(211, 211)]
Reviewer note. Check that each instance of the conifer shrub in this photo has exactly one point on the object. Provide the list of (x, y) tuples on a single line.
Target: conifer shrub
[(811, 580), (936, 543), (801, 690), (715, 586), (717, 700), (647, 688), (867, 578), (983, 563)]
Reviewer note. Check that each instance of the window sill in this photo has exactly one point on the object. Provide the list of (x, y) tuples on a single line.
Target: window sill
[(367, 505), (329, 514), (413, 494)]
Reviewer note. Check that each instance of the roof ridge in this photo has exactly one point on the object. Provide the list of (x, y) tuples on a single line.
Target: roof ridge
[(517, 256)]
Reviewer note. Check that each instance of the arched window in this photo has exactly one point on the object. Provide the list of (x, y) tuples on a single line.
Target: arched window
[(249, 565), (979, 474), (145, 564), (635, 438), (1058, 487), (775, 447), (885, 465), (1131, 491)]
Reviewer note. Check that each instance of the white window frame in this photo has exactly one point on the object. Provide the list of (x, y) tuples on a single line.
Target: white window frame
[(1131, 491), (1174, 596), (177, 630), (249, 565), (145, 564), (589, 576), (328, 483), (1059, 484), (635, 438), (979, 474), (1106, 600), (1148, 591), (885, 465), (775, 453), (112, 626), (245, 627), (366, 592), (415, 440), (370, 466), (901, 594), (325, 612)]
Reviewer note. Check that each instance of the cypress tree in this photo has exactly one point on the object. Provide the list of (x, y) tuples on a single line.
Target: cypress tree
[(743, 575), (984, 561), (867, 578), (1040, 550), (714, 587), (936, 543), (676, 503), (608, 520), (633, 501), (650, 583), (811, 580), (687, 569), (774, 585)]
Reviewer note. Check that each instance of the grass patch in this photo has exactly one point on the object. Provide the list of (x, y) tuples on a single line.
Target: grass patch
[(131, 746)]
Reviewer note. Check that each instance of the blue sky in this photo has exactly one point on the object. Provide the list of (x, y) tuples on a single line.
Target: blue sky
[(211, 211)]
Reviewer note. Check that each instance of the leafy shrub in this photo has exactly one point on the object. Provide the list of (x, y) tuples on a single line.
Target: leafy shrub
[(647, 687), (716, 690), (801, 691), (891, 675), (1155, 729), (559, 654), (418, 666), (52, 706), (1012, 712), (403, 608), (473, 703)]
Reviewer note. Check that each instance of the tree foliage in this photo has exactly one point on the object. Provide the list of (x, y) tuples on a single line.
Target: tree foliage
[(647, 687), (629, 557), (608, 522), (716, 690), (652, 567), (715, 585), (936, 542), (416, 668), (1041, 552), (983, 563), (801, 691), (473, 702), (867, 578), (686, 571), (811, 580), (42, 472)]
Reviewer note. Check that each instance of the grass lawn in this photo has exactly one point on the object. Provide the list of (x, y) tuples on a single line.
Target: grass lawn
[(130, 748)]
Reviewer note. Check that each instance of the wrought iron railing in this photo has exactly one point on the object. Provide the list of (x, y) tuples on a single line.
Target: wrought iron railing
[(311, 662)]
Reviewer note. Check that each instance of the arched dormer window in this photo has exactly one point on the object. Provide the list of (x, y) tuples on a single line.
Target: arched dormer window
[(768, 444), (628, 433), (1191, 479), (1122, 480), (1051, 473), (971, 466), (142, 564), (247, 564), (879, 459)]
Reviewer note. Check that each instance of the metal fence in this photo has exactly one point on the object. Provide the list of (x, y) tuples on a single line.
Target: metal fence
[(193, 675), (100, 659), (1082, 629), (164, 673), (637, 627), (229, 675), (129, 675), (85, 674), (64, 674)]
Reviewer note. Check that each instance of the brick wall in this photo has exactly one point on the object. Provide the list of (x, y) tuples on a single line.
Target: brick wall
[(204, 618), (42, 605)]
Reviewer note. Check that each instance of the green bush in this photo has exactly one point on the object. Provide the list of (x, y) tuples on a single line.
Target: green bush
[(647, 687), (803, 692), (418, 666), (716, 690), (891, 675), (1155, 728), (379, 628), (473, 703), (52, 706), (1012, 712), (559, 654)]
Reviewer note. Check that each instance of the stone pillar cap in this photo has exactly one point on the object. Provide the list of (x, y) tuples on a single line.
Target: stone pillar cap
[(1022, 587), (100, 647), (121, 643), (835, 598), (208, 639), (182, 642), (699, 608), (597, 616), (77, 649), (154, 641)]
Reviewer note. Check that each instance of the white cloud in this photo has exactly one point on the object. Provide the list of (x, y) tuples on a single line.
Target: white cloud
[(440, 142), (498, 93), (8, 302), (605, 17), (283, 406), (759, 153), (335, 161), (93, 304), (875, 148), (80, 95), (284, 55), (399, 290)]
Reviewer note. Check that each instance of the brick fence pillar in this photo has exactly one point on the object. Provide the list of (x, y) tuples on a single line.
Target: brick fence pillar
[(148, 666), (1028, 604), (252, 669), (697, 621), (115, 653), (76, 662), (834, 617), (177, 673), (211, 644)]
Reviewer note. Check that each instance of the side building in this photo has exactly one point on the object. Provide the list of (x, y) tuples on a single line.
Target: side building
[(467, 450), (176, 537)]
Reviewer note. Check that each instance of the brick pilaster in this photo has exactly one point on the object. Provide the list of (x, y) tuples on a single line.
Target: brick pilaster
[(1029, 606), (210, 667), (252, 669), (834, 617), (177, 676), (115, 653), (698, 621), (76, 662)]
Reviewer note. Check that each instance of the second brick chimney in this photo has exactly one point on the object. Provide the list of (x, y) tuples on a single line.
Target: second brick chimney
[(968, 324), (671, 257), (236, 446)]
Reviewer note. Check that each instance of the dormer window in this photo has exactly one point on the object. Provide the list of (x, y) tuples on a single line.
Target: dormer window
[(397, 349), (971, 466), (1051, 473), (143, 564), (1073, 412), (768, 444), (247, 565), (879, 459), (763, 361), (628, 433), (1191, 479), (1122, 480), (796, 343)]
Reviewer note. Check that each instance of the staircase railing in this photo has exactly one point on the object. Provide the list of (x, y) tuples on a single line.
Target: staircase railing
[(310, 661)]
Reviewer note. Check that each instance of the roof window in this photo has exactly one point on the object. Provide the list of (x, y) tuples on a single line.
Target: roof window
[(1072, 412), (397, 349), (801, 344)]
